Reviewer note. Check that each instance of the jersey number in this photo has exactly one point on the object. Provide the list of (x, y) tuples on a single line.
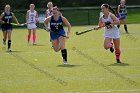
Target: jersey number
[(32, 18)]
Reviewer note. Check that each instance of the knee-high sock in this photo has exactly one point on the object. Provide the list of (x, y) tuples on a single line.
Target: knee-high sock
[(118, 26), (9, 44), (125, 27), (28, 38), (64, 54), (117, 53), (34, 38), (110, 45)]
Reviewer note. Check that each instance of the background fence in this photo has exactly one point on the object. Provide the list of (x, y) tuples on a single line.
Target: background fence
[(82, 15)]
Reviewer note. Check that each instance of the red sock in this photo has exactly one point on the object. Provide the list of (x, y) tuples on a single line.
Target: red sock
[(117, 53), (110, 45), (28, 38), (34, 38)]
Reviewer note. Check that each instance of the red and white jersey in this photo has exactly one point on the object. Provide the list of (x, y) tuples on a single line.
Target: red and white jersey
[(111, 32), (32, 16), (49, 13), (109, 19)]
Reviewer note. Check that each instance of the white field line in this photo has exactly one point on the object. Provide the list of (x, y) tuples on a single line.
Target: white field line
[(12, 82), (109, 91), (70, 50)]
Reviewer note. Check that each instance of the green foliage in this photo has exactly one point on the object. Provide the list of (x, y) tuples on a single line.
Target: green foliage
[(23, 4)]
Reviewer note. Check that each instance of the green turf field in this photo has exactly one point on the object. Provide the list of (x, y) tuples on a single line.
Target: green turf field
[(91, 69)]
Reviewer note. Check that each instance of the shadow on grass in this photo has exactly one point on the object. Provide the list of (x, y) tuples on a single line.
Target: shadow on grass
[(39, 45), (124, 33), (121, 64), (68, 65), (15, 51)]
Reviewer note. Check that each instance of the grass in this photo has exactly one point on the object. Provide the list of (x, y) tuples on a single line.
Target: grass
[(92, 69)]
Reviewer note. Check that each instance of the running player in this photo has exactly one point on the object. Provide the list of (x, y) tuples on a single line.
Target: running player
[(56, 32), (122, 14), (31, 19), (110, 21), (49, 10), (7, 17)]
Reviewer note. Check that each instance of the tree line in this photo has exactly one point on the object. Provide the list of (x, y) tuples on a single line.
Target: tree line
[(24, 4)]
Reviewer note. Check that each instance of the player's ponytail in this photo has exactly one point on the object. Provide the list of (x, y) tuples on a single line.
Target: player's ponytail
[(110, 8)]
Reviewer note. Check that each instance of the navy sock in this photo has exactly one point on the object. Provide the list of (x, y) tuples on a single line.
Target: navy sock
[(125, 27), (64, 54), (118, 26), (9, 44)]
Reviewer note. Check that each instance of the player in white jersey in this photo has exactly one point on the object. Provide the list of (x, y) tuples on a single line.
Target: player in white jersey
[(31, 19), (49, 11), (110, 21)]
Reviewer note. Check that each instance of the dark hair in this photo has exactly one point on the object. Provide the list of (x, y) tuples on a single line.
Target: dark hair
[(110, 8), (55, 8)]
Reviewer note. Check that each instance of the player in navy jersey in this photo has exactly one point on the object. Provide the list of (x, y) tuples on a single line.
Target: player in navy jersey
[(122, 14), (7, 17), (56, 31)]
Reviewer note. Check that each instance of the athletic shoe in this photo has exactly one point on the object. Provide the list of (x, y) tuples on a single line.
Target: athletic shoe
[(34, 44), (4, 42), (28, 43), (127, 32), (118, 61), (112, 49), (9, 50), (65, 62)]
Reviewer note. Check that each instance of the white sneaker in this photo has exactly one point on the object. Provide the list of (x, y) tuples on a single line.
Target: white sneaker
[(34, 44), (9, 50), (65, 62)]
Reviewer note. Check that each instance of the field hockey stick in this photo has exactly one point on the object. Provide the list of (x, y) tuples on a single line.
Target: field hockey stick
[(96, 28), (14, 24), (23, 24)]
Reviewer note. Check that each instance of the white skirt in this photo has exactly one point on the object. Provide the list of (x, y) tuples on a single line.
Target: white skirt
[(113, 33), (31, 26)]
